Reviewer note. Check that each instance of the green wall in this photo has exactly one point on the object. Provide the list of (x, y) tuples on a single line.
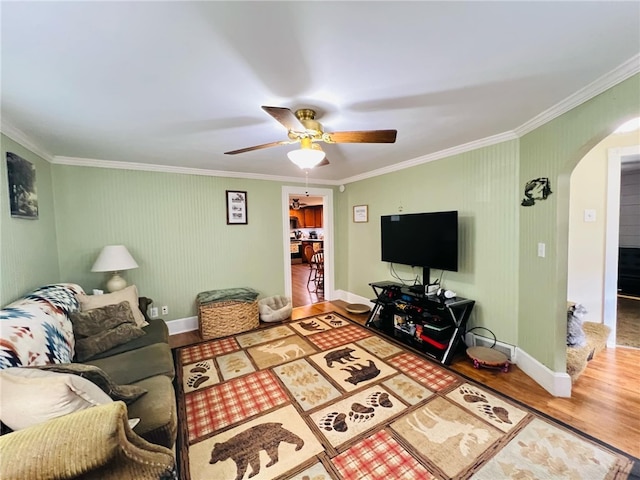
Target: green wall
[(175, 227), (553, 150), (482, 186), (29, 252)]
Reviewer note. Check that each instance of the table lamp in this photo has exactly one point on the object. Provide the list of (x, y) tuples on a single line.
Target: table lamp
[(114, 258)]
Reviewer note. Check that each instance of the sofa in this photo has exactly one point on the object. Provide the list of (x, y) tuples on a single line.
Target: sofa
[(86, 387)]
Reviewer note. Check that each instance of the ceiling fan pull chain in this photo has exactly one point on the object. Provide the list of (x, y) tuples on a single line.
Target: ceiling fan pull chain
[(306, 182)]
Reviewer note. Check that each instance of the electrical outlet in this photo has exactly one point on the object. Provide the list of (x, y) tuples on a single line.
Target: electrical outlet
[(165, 310), (590, 215), (153, 312)]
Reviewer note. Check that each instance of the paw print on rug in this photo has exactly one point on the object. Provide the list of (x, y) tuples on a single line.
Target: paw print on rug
[(379, 399), (333, 421), (194, 381), (201, 367), (361, 413), (472, 396), (498, 414)]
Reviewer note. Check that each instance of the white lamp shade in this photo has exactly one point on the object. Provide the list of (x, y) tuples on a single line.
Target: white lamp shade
[(306, 157), (114, 258)]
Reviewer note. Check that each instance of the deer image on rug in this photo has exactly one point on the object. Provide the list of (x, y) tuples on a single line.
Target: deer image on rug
[(244, 448), (443, 430), (283, 350)]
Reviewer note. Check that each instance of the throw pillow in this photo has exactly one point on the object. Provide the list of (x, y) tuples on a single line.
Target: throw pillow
[(31, 396), (130, 294), (103, 341), (97, 376), (97, 320)]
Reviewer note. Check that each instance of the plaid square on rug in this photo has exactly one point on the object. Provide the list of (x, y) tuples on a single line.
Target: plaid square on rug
[(323, 398)]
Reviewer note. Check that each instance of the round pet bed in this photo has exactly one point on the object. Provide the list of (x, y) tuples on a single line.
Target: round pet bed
[(356, 308), (274, 309)]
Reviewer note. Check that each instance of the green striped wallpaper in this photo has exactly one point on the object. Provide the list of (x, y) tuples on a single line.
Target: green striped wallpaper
[(553, 150), (29, 253), (482, 186), (175, 227)]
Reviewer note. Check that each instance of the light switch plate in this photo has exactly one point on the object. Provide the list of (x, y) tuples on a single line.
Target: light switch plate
[(541, 249)]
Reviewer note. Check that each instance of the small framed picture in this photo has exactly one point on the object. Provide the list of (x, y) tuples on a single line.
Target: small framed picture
[(360, 213), (23, 198), (236, 207)]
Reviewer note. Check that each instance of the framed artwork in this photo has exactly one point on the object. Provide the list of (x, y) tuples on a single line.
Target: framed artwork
[(360, 213), (23, 198), (236, 207)]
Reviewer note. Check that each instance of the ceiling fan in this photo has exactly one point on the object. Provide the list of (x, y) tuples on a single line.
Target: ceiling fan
[(302, 127), (296, 204)]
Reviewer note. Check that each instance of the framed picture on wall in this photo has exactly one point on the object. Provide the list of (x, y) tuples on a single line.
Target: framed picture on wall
[(360, 213), (236, 207), (23, 198)]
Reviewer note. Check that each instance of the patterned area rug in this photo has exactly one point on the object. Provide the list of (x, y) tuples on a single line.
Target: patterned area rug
[(323, 398)]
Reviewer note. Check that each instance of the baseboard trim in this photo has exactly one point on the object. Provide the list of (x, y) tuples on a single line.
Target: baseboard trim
[(557, 384), (182, 325), (352, 298)]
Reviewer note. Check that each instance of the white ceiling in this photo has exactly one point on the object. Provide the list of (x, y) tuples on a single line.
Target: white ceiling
[(176, 84)]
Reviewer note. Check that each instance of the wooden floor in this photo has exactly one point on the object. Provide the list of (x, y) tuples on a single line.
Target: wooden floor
[(605, 401), (303, 293)]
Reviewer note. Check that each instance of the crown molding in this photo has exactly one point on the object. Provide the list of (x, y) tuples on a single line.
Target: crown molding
[(431, 157), (616, 76), (20, 137), (602, 84), (148, 167)]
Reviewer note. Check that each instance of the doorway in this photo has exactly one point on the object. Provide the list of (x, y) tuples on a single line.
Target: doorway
[(621, 313), (297, 271), (617, 158)]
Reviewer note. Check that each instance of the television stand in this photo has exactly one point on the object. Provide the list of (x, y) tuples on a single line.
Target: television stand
[(430, 325)]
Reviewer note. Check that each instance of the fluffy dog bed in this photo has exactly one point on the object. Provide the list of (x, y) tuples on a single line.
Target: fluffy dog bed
[(577, 357), (274, 309)]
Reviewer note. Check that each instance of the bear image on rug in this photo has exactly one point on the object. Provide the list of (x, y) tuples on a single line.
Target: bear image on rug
[(351, 367), (263, 448)]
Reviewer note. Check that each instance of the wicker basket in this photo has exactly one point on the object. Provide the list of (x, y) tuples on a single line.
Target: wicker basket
[(223, 318)]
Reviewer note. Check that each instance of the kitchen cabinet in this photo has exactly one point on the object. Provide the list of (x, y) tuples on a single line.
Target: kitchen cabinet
[(309, 217), (312, 216), (299, 214), (318, 212)]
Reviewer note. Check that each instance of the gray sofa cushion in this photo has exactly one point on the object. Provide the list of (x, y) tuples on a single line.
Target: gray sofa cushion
[(156, 332), (132, 366)]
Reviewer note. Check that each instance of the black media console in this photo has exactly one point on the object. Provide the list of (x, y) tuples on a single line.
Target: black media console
[(424, 322)]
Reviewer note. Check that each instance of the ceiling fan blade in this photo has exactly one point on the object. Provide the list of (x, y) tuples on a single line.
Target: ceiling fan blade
[(366, 136), (259, 147), (286, 117), (323, 162)]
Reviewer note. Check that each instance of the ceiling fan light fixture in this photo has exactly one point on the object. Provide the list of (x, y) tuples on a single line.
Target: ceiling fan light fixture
[(306, 156)]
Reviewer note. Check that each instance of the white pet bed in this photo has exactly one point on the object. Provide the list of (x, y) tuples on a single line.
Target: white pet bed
[(274, 309)]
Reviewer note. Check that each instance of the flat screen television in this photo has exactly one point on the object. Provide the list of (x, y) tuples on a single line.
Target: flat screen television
[(428, 240)]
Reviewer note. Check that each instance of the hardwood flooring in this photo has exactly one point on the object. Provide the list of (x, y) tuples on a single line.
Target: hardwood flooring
[(301, 293), (605, 401)]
